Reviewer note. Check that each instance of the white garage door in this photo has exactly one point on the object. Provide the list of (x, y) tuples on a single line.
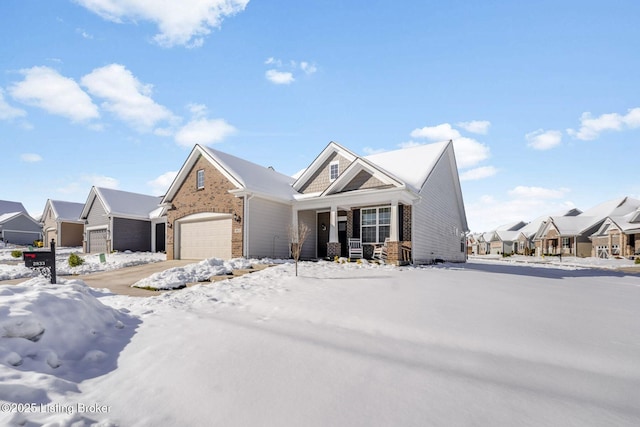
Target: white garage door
[(205, 239), (97, 241)]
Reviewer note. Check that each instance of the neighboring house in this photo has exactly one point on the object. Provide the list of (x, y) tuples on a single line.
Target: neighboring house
[(570, 235), (61, 222), (118, 220), (221, 205), (473, 245), (618, 236), (484, 243), (526, 244), (16, 225), (505, 242)]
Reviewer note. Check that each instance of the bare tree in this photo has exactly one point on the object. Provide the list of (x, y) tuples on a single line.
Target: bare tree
[(297, 236)]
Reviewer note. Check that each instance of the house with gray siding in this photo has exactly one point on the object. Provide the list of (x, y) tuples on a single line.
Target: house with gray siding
[(116, 220), (224, 206), (16, 225)]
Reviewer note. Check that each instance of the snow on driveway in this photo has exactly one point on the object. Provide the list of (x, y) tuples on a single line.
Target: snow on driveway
[(474, 344)]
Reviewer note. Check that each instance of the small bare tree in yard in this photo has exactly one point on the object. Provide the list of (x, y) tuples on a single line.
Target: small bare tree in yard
[(297, 236)]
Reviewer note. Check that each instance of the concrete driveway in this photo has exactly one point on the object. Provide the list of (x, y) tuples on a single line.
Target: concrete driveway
[(120, 281)]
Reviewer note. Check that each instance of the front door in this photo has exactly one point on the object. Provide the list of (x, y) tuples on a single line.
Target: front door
[(323, 233)]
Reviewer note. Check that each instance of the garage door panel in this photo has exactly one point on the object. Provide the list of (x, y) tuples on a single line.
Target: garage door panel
[(97, 241), (206, 239)]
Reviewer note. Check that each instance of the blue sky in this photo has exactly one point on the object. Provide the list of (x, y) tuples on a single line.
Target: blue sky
[(542, 102)]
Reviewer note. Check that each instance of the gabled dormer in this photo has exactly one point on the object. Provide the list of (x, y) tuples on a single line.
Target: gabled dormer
[(362, 175), (325, 169)]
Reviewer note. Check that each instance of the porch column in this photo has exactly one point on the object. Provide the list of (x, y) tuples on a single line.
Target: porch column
[(394, 235), (333, 246), (333, 224)]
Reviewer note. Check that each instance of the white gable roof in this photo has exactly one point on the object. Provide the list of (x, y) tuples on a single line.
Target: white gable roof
[(411, 165), (122, 203), (253, 177), (508, 235), (243, 174), (12, 215), (575, 225), (69, 211)]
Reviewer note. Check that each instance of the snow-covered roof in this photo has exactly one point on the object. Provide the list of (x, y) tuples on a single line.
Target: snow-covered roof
[(70, 211), (9, 215), (512, 226), (7, 206), (508, 235), (575, 225), (124, 203), (253, 177), (411, 165)]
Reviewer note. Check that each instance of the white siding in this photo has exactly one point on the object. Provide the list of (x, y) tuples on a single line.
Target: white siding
[(268, 228), (437, 218)]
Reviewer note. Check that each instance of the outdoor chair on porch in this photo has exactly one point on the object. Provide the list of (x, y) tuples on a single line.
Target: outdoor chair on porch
[(355, 248), (380, 251)]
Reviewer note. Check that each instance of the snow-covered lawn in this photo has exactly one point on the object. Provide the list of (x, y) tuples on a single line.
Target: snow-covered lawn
[(486, 343)]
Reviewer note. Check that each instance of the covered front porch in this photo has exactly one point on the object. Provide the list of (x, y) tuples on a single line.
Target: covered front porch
[(374, 223)]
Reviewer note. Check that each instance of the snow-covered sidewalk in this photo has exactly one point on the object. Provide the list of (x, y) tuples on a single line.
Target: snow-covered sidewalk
[(342, 344)]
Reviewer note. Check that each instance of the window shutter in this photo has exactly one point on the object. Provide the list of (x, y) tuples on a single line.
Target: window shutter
[(356, 223)]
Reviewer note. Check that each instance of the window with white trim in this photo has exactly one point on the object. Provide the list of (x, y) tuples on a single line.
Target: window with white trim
[(375, 224), (200, 179), (334, 171), (566, 243)]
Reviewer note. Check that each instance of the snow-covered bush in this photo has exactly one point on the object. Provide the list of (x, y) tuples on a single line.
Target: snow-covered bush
[(75, 260)]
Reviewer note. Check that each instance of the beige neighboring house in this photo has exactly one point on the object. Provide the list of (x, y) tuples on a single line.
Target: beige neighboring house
[(61, 222), (223, 206), (618, 236), (526, 244), (571, 235)]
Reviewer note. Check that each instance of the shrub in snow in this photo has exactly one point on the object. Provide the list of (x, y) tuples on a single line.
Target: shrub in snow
[(75, 260), (16, 253), (637, 261)]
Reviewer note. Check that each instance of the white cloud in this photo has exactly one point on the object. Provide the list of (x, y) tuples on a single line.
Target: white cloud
[(84, 34), (522, 203), (369, 151), (284, 73), (273, 61), (538, 192), (308, 68), (7, 112), (100, 181), (440, 132), (279, 77), (183, 22), (475, 126), (126, 97), (478, 173), (45, 88), (30, 157), (197, 110), (469, 152), (544, 140), (203, 131), (161, 184), (591, 127)]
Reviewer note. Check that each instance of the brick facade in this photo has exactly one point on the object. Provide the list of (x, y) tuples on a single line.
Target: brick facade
[(214, 197)]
